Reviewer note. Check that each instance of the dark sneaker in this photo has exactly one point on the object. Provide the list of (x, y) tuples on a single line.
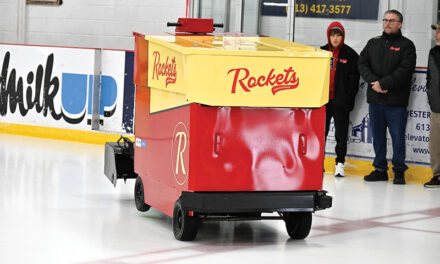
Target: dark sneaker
[(433, 183), (377, 176), (399, 177)]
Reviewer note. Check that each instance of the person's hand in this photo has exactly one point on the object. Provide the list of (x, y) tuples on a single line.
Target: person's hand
[(376, 87)]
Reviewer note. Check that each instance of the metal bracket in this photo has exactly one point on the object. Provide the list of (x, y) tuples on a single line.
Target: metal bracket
[(96, 91)]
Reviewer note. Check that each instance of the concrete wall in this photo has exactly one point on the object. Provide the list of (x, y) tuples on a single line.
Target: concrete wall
[(85, 23), (8, 21)]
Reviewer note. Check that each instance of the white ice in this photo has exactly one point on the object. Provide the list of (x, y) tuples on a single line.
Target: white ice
[(56, 206)]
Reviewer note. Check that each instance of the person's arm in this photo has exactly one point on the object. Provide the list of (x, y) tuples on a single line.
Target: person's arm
[(436, 59), (433, 80), (352, 81), (353, 76), (364, 66), (428, 72), (406, 67)]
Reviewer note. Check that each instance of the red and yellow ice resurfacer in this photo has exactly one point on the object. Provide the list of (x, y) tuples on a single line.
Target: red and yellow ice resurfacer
[(227, 127)]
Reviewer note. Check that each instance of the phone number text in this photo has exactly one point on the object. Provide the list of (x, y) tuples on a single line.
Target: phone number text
[(322, 9)]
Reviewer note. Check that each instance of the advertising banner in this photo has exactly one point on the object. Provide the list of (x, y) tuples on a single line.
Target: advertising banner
[(360, 142), (52, 86), (349, 9)]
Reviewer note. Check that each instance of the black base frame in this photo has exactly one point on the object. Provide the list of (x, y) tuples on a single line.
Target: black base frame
[(255, 202)]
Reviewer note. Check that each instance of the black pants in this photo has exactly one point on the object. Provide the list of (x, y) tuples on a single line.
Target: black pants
[(341, 119)]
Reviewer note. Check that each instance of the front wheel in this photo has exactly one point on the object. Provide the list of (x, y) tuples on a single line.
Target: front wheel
[(139, 196), (184, 226), (298, 224)]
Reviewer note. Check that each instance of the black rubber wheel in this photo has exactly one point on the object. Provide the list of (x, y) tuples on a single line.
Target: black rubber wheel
[(298, 224), (139, 196), (184, 226)]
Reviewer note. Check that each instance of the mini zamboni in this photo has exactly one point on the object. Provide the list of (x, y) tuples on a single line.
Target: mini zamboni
[(227, 127)]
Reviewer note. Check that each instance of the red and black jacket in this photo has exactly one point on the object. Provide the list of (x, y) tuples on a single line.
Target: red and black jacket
[(346, 83)]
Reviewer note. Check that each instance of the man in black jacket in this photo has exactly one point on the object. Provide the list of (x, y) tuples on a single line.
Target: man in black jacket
[(433, 85), (344, 84), (387, 64)]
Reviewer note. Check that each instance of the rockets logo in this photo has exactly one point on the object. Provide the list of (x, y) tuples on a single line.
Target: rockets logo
[(179, 153), (167, 69), (278, 82)]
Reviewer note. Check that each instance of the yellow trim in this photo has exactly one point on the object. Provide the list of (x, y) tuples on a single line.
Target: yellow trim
[(414, 174), (89, 137), (236, 45), (161, 100)]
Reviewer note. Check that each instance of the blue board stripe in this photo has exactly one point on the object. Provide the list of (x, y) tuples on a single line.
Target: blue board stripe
[(128, 109)]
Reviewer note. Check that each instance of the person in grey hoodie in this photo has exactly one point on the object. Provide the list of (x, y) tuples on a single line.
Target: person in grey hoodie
[(433, 85)]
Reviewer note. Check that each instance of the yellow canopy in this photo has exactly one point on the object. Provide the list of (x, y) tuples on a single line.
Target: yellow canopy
[(236, 70)]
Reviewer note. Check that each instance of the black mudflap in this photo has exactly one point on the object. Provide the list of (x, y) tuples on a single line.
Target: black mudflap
[(119, 160)]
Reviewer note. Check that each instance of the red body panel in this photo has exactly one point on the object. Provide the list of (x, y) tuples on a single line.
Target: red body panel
[(154, 162), (140, 73), (256, 149), (226, 149)]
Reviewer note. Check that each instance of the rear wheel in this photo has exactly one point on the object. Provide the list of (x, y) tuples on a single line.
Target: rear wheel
[(298, 224), (139, 196), (184, 226)]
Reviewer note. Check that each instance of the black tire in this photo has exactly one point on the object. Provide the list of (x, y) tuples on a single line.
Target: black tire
[(185, 227), (298, 224), (139, 196)]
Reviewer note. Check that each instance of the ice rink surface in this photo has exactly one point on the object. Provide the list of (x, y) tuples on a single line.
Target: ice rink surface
[(56, 206)]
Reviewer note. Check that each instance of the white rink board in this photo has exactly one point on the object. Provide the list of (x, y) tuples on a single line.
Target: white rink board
[(51, 86), (360, 145)]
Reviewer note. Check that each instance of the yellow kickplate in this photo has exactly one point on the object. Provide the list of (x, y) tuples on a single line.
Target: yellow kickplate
[(90, 137), (414, 174)]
